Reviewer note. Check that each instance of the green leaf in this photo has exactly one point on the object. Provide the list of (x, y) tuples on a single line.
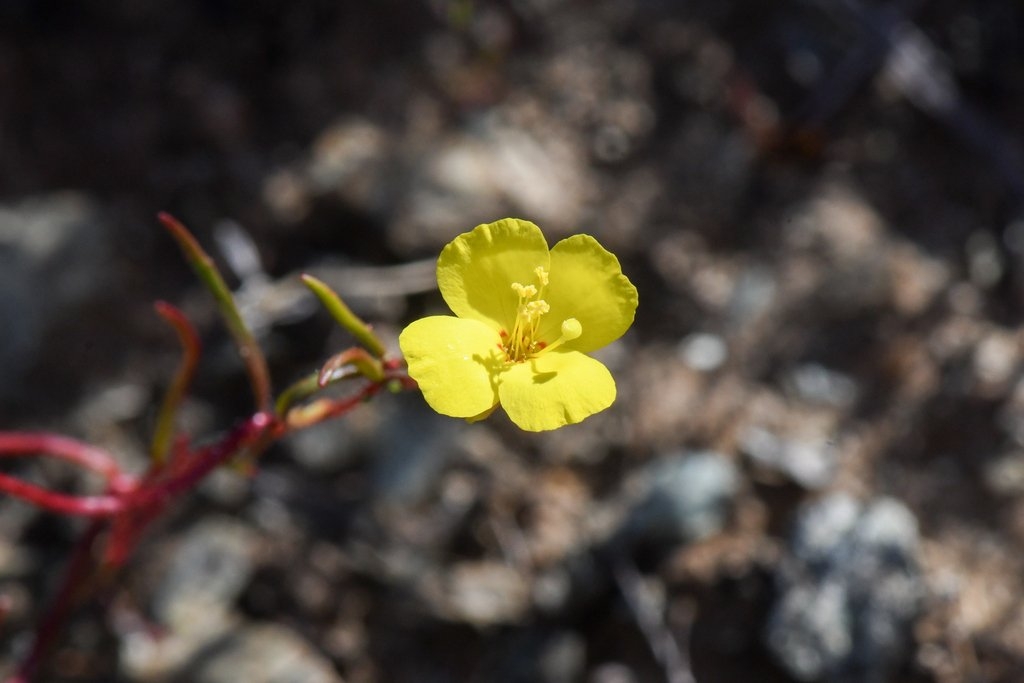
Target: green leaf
[(248, 349), (344, 315)]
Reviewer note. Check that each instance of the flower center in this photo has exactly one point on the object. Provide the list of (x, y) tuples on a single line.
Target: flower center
[(522, 343)]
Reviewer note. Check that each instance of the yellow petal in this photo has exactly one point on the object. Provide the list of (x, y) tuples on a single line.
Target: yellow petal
[(482, 416), (476, 270), (554, 390), (587, 284), (454, 361)]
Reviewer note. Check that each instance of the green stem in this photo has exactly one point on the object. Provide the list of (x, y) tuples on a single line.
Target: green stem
[(305, 387)]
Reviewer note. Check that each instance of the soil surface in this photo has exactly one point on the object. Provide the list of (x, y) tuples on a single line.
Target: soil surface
[(813, 471)]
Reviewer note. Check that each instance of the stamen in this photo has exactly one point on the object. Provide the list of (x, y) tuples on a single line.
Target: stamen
[(522, 342)]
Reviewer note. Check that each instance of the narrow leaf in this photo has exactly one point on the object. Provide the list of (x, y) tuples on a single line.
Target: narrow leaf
[(164, 431), (203, 265), (344, 315)]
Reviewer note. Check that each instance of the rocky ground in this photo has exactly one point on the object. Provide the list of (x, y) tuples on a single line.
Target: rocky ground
[(814, 470)]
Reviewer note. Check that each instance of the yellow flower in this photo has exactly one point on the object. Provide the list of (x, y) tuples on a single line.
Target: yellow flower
[(526, 318)]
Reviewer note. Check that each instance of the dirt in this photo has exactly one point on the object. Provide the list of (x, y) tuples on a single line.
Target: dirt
[(820, 205)]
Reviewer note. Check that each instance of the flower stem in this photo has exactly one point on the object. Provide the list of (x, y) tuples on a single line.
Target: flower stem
[(72, 589)]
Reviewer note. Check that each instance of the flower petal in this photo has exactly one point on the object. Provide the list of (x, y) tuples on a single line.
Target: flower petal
[(554, 390), (587, 284), (454, 361), (476, 270)]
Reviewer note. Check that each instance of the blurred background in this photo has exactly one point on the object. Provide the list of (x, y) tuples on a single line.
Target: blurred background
[(814, 470)]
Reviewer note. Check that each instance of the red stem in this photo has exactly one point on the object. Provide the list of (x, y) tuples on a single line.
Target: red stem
[(82, 506), (13, 444), (125, 532), (132, 504), (63, 448), (77, 574), (260, 425), (344, 405)]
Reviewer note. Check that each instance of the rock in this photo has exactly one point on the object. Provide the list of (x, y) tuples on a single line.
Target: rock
[(53, 256), (413, 446), (62, 240), (351, 160), (688, 496), (810, 462), (996, 360), (538, 655), (260, 653), (481, 593), (612, 672), (194, 602), (819, 385), (562, 659), (209, 570), (985, 262), (499, 165), (849, 592), (843, 232), (754, 294), (917, 278), (703, 352), (324, 448), (1004, 474)]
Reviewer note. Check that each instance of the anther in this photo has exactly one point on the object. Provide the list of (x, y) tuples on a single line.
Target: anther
[(524, 291), (536, 309)]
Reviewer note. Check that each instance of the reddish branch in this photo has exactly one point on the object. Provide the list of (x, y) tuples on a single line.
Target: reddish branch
[(61, 448), (130, 503)]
